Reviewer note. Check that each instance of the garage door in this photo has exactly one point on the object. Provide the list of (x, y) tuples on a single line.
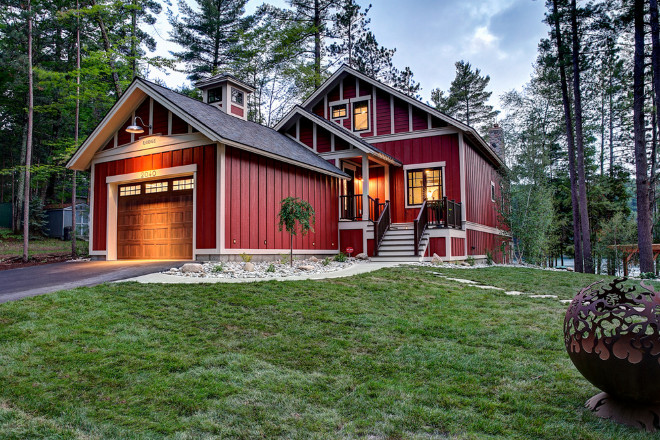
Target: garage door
[(155, 220)]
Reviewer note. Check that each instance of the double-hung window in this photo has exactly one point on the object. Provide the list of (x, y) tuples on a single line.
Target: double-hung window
[(361, 116)]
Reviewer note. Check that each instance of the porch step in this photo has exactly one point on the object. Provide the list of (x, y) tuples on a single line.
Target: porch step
[(399, 259), (399, 244)]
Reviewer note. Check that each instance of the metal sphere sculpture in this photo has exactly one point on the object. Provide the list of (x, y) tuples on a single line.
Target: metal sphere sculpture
[(612, 336)]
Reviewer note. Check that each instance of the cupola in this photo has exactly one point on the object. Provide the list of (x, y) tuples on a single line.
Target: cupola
[(227, 93)]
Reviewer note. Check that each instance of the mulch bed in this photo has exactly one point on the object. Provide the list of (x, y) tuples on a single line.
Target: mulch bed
[(17, 262)]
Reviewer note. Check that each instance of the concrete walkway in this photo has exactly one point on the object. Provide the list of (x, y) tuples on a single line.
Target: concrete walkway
[(175, 279)]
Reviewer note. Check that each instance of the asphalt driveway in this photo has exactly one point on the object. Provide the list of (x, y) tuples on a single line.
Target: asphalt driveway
[(37, 280)]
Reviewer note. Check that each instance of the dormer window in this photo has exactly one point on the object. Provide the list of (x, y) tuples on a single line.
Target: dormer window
[(236, 96), (215, 95), (361, 116), (339, 111)]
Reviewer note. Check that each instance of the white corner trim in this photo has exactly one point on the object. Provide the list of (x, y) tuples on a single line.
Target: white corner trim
[(152, 174), (410, 121), (220, 197), (462, 176)]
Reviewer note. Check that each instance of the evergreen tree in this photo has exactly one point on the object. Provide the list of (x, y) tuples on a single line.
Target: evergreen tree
[(467, 96), (208, 34)]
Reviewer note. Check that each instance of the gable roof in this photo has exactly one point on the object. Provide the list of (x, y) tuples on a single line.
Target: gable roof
[(468, 131), (332, 127), (211, 122)]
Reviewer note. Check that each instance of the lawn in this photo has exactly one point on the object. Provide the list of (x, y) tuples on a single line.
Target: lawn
[(395, 354), (11, 245)]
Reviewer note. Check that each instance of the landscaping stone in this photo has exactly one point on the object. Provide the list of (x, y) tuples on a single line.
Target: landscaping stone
[(436, 259), (192, 268), (260, 270), (362, 256)]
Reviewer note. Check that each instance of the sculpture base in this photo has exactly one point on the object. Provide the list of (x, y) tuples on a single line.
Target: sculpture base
[(644, 416)]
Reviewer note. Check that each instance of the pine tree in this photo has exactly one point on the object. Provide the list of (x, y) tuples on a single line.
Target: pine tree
[(467, 96), (209, 35)]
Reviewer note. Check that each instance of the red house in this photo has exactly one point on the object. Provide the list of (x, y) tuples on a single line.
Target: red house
[(177, 178)]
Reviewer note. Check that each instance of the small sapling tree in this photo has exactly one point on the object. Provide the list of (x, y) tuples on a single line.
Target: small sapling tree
[(296, 215)]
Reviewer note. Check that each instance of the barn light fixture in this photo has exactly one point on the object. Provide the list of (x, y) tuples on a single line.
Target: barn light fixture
[(135, 128)]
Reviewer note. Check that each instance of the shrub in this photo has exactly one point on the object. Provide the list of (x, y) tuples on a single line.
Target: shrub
[(489, 258), (296, 215), (341, 257), (470, 260), (647, 275), (218, 268), (326, 261), (284, 258), (271, 268), (246, 257)]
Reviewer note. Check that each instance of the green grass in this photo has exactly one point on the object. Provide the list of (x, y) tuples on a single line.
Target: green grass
[(11, 245), (395, 354)]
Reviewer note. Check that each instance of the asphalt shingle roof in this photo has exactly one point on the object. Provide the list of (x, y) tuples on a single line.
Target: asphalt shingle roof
[(248, 133)]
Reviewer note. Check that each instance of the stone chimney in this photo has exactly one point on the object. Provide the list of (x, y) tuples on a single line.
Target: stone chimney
[(227, 93), (496, 139)]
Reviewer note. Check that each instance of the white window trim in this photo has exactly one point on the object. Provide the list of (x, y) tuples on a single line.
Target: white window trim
[(416, 166), (231, 97), (369, 113), (340, 102)]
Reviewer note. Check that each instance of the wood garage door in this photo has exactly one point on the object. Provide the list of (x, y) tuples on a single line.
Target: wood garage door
[(155, 220)]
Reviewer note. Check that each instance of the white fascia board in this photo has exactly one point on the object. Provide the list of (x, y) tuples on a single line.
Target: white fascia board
[(73, 163), (400, 95)]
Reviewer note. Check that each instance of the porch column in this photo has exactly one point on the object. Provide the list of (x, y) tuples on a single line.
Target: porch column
[(387, 181), (365, 187)]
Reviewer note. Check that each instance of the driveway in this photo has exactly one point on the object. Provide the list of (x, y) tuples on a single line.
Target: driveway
[(36, 280)]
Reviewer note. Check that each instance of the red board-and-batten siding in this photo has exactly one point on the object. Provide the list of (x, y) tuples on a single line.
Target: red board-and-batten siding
[(205, 159), (255, 185), (439, 148)]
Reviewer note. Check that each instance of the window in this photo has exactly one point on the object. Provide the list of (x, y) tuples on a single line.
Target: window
[(179, 185), (361, 116), (236, 96), (157, 187), (339, 111), (492, 192), (132, 190), (424, 185), (215, 95)]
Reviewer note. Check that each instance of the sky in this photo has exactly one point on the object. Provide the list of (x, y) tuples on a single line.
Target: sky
[(499, 37)]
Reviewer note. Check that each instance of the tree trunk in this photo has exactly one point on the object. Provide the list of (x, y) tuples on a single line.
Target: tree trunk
[(291, 254), (28, 146), (577, 244), (641, 173), (108, 51), (74, 188), (317, 44), (133, 37), (579, 137)]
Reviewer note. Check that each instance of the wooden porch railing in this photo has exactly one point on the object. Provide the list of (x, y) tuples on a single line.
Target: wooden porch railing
[(445, 214), (381, 226), (420, 225), (350, 208)]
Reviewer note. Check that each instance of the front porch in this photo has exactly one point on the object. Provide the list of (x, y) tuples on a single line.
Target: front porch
[(368, 202)]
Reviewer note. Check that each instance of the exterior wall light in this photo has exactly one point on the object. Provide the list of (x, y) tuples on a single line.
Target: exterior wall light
[(135, 128)]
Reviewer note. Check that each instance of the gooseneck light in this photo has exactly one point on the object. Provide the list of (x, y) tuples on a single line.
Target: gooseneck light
[(135, 128)]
